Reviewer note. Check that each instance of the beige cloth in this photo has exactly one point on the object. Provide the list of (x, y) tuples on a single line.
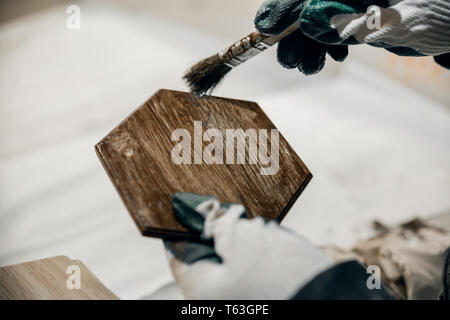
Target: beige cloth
[(410, 256)]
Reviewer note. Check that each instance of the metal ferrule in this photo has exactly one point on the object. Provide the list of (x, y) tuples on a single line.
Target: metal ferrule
[(243, 50)]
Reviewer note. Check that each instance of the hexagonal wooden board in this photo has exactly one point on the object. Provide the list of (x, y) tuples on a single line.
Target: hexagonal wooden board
[(137, 156)]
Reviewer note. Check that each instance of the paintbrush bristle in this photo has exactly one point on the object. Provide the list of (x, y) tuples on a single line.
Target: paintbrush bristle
[(204, 76)]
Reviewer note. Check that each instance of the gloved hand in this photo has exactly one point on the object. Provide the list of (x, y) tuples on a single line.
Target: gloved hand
[(244, 259), (407, 27)]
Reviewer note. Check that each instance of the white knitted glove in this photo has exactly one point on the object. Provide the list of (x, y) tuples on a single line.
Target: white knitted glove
[(423, 25), (259, 260)]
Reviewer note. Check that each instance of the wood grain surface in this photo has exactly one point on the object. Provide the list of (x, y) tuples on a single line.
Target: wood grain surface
[(46, 280), (137, 157)]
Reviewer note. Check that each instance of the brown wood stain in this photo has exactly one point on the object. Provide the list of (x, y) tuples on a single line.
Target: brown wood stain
[(137, 157)]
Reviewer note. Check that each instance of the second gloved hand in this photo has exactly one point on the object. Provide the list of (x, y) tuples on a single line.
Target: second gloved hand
[(247, 259), (404, 27)]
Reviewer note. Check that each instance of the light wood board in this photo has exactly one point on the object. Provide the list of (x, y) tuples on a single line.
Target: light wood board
[(46, 279)]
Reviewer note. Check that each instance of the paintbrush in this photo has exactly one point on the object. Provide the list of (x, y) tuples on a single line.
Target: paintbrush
[(204, 76)]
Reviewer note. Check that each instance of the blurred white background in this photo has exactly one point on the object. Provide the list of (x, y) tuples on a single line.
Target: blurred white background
[(374, 131)]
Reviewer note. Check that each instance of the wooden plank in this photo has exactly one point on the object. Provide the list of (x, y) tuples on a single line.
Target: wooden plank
[(46, 279), (137, 157)]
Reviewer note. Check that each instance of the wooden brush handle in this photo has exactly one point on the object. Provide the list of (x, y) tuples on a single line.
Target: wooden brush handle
[(252, 45), (271, 40)]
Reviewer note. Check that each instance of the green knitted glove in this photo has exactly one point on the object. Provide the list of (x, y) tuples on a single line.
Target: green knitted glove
[(297, 50)]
